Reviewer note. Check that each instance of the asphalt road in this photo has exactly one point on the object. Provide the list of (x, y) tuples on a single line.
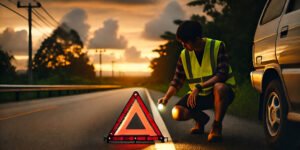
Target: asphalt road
[(81, 122), (237, 133)]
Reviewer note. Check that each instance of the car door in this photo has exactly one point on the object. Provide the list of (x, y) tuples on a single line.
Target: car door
[(288, 51), (266, 34)]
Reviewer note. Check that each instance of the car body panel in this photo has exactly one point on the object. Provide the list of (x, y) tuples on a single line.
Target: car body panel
[(288, 55), (264, 43), (276, 47), (256, 79)]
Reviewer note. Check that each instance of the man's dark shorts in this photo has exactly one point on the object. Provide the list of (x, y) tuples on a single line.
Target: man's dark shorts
[(203, 102)]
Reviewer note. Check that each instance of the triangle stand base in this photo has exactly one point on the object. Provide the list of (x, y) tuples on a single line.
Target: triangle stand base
[(135, 139)]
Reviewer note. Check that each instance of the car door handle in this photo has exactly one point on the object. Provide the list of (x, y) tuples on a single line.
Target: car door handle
[(284, 31)]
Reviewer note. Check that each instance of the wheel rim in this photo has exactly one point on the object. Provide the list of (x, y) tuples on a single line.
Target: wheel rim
[(273, 114)]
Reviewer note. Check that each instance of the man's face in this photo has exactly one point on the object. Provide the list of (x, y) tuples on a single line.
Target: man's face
[(188, 45), (192, 45)]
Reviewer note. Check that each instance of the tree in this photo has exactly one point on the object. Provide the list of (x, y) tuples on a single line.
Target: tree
[(164, 66), (61, 54), (234, 22), (6, 68)]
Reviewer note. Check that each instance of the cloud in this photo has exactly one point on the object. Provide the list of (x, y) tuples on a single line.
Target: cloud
[(106, 37), (76, 19), (133, 55), (164, 22), (13, 41)]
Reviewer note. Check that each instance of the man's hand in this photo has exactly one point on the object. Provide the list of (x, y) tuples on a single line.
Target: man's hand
[(162, 100), (191, 102)]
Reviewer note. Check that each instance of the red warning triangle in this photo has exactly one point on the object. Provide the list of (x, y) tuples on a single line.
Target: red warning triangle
[(120, 132)]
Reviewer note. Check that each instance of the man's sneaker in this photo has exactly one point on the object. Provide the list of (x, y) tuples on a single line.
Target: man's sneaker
[(201, 120), (215, 134)]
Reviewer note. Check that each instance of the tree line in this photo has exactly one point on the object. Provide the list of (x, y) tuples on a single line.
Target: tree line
[(59, 60)]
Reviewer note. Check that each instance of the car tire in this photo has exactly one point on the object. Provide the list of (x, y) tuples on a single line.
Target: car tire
[(275, 111)]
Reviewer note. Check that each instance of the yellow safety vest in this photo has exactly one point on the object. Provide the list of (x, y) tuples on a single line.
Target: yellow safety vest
[(197, 74)]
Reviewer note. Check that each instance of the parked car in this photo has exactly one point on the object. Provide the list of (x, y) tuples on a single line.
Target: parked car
[(276, 59)]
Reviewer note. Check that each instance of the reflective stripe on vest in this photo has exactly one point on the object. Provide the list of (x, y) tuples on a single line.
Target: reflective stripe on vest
[(197, 74)]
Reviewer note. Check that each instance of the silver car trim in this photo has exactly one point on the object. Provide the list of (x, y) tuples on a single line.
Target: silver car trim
[(274, 34), (293, 116), (291, 71), (297, 26)]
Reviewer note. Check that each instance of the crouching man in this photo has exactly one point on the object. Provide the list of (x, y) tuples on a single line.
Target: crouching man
[(204, 64)]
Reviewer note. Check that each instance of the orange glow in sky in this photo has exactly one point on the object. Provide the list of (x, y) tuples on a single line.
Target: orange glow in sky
[(94, 19)]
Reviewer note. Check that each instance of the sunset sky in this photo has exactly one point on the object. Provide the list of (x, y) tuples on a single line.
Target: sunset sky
[(128, 29)]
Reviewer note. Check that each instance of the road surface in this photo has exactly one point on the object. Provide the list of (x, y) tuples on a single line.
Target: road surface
[(81, 121)]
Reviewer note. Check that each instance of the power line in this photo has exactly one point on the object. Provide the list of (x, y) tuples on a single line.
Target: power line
[(14, 11), (40, 18), (38, 15), (49, 15), (36, 23), (11, 1), (19, 14), (22, 16), (44, 9)]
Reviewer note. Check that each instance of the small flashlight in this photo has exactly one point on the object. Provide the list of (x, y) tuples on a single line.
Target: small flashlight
[(160, 106)]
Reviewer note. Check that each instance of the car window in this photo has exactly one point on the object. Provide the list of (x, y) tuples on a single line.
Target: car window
[(273, 10), (293, 5)]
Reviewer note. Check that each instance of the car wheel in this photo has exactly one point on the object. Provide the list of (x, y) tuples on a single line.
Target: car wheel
[(274, 115)]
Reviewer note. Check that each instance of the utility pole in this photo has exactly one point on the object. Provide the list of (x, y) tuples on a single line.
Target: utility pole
[(112, 68), (100, 61), (29, 6)]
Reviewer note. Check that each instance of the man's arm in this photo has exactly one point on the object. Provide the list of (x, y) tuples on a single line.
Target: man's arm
[(171, 92), (222, 68), (176, 83)]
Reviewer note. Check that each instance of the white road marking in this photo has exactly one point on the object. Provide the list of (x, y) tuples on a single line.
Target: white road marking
[(161, 125)]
